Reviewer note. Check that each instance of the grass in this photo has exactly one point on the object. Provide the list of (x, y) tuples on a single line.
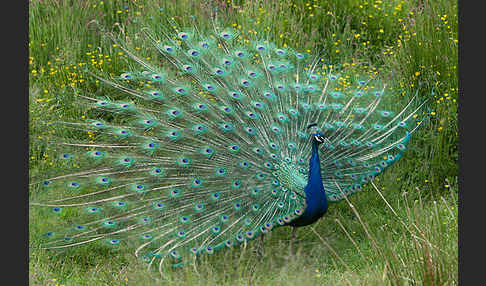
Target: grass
[(415, 246), (411, 241)]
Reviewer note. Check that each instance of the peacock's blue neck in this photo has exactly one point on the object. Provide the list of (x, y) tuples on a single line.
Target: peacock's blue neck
[(315, 196)]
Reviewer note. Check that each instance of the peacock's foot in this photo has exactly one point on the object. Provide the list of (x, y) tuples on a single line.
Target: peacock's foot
[(292, 242)]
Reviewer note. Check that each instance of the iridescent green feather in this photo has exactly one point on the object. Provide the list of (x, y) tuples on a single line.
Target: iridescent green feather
[(212, 150)]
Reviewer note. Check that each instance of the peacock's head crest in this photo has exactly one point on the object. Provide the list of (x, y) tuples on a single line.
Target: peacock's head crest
[(317, 136)]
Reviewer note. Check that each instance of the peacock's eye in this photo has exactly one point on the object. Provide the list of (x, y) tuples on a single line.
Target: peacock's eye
[(319, 138)]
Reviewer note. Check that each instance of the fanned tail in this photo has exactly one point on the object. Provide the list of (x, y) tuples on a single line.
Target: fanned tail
[(209, 148)]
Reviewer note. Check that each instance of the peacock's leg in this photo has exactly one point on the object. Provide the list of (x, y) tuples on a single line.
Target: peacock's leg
[(292, 239), (259, 250)]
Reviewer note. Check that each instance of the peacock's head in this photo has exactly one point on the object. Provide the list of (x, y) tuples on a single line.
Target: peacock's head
[(317, 136)]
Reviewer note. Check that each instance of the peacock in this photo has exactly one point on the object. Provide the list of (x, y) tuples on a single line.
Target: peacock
[(214, 142)]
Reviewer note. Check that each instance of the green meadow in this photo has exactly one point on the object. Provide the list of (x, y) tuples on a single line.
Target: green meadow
[(400, 231)]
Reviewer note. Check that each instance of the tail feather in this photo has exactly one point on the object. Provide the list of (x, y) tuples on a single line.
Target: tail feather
[(212, 149)]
